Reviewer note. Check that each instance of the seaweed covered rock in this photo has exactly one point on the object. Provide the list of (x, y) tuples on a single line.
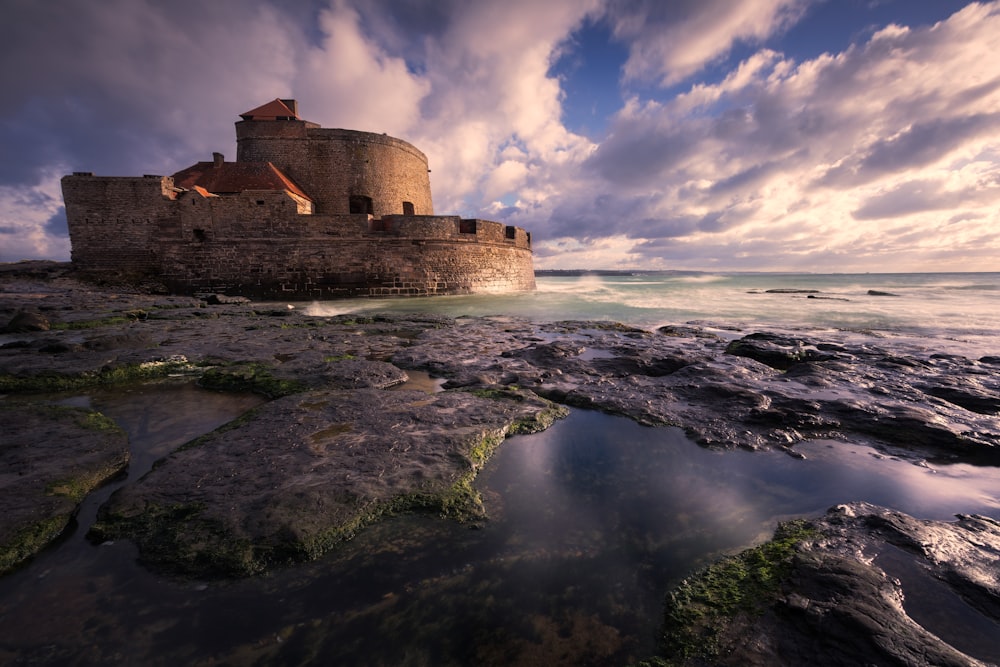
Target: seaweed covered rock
[(51, 457), (301, 473), (861, 585)]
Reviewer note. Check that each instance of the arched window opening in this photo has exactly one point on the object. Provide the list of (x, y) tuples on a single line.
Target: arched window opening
[(408, 208)]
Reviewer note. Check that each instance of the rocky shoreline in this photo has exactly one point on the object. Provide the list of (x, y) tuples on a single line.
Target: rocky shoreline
[(837, 590), (333, 450)]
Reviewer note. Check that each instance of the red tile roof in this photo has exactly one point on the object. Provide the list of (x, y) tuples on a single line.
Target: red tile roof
[(202, 191), (235, 177), (273, 110)]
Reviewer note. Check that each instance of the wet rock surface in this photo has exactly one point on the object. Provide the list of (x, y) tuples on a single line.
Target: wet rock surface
[(336, 448), (865, 586), (304, 472), (756, 390), (761, 390), (51, 457)]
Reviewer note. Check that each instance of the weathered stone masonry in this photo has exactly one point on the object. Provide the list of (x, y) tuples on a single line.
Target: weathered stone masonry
[(304, 212)]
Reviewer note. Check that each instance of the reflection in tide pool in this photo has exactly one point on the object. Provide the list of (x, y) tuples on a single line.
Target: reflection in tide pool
[(591, 522)]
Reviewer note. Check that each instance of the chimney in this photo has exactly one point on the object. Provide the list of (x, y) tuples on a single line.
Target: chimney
[(217, 160), (293, 106)]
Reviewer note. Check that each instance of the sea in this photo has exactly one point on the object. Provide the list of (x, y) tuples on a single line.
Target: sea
[(591, 522), (957, 313)]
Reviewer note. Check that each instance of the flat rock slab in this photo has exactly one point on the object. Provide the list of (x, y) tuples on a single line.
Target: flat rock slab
[(759, 391), (301, 473), (727, 389), (51, 457), (870, 586)]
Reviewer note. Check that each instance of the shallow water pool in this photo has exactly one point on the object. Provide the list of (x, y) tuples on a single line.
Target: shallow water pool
[(591, 522)]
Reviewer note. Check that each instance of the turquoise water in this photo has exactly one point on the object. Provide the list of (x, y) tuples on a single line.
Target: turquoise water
[(961, 311)]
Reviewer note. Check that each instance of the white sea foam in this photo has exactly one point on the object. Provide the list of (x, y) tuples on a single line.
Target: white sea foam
[(960, 311)]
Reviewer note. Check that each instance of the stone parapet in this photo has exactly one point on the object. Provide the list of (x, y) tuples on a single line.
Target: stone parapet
[(112, 220), (342, 214), (316, 268)]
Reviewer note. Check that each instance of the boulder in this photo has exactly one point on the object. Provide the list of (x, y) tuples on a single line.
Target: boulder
[(25, 321)]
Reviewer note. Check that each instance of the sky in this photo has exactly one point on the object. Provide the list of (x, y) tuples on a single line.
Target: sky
[(716, 135)]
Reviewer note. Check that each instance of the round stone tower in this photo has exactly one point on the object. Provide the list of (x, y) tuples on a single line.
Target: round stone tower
[(342, 171)]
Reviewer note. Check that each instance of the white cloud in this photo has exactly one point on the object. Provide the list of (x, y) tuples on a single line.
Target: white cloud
[(507, 177), (32, 222), (833, 162), (883, 156), (491, 89), (670, 41), (349, 81)]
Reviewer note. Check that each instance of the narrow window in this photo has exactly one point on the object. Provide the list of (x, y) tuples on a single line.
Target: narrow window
[(199, 235), (361, 204), (511, 232), (407, 208)]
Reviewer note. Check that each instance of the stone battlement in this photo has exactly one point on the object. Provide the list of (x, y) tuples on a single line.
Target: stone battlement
[(304, 212)]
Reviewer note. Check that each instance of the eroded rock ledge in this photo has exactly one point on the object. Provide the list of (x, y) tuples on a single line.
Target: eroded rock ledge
[(335, 449), (301, 473), (51, 457), (750, 390), (861, 585)]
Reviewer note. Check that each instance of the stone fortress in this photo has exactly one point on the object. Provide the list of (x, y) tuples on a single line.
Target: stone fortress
[(303, 213)]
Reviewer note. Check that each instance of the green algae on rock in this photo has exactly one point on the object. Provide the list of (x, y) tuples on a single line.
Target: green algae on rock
[(744, 584), (52, 457), (302, 473), (843, 589), (48, 381), (254, 377)]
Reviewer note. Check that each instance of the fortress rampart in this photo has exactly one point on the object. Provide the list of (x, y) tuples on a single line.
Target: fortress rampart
[(304, 212), (352, 255)]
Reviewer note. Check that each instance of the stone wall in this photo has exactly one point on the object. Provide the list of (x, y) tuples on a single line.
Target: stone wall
[(324, 257), (252, 213), (367, 227), (332, 165), (112, 220), (259, 243)]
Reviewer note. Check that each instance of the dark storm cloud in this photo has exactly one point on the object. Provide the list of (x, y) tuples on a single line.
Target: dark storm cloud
[(919, 145), (638, 153), (596, 216), (113, 86), (395, 23), (906, 199), (56, 225), (720, 221), (756, 175), (635, 217)]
